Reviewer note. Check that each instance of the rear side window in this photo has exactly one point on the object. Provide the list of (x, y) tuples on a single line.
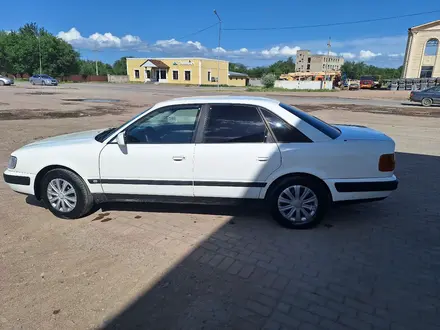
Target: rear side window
[(284, 132), (229, 123), (323, 127)]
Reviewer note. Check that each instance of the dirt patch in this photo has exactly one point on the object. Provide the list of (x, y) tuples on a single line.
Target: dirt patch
[(39, 93), (93, 100), (2, 103), (415, 112), (17, 114)]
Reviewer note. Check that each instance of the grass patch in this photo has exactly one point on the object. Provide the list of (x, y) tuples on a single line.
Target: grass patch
[(285, 90)]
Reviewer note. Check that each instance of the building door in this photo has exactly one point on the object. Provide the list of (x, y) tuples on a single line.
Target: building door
[(157, 74)]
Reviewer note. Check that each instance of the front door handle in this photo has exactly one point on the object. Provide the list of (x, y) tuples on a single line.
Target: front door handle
[(262, 159), (178, 158)]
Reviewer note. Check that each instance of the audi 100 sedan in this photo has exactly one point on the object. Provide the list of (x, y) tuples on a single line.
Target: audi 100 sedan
[(210, 149)]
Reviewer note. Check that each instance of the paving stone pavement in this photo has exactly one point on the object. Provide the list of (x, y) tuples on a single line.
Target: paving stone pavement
[(369, 266)]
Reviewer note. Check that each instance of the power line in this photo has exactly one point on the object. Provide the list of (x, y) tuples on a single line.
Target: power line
[(331, 24), (199, 31)]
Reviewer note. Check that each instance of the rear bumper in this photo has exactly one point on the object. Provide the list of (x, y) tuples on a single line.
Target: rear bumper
[(366, 186), (360, 189)]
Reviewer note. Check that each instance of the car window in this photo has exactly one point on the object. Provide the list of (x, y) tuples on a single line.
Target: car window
[(175, 124), (45, 76), (228, 123), (320, 125), (284, 132)]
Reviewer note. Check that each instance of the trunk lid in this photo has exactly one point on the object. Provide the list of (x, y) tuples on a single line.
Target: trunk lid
[(357, 132)]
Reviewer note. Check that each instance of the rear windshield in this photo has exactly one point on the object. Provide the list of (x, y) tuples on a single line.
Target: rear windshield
[(327, 129)]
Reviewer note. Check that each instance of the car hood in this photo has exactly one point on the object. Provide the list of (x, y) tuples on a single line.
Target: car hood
[(355, 132), (66, 139)]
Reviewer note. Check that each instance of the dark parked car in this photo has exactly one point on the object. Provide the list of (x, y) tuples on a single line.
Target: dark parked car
[(426, 97), (43, 79)]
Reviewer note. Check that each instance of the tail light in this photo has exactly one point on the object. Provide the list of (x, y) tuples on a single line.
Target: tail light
[(387, 163)]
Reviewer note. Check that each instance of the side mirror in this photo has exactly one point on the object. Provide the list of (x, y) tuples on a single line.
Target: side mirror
[(121, 139)]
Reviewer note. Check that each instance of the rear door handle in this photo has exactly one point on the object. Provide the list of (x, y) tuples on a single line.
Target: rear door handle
[(262, 159), (178, 158)]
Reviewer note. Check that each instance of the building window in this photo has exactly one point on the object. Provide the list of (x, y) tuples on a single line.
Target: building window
[(209, 75), (308, 66), (148, 74), (426, 72), (136, 74), (431, 47), (187, 75), (308, 60), (163, 74), (175, 75)]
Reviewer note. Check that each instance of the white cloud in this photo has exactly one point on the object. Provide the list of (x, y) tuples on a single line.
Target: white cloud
[(368, 55), (347, 55), (383, 49), (280, 51), (397, 55), (98, 40), (320, 52)]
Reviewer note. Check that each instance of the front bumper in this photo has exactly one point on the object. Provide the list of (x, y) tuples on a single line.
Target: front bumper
[(20, 182), (360, 189)]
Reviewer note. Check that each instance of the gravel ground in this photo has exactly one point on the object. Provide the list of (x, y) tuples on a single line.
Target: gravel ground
[(372, 266)]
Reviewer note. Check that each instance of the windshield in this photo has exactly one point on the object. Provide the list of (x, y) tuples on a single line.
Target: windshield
[(101, 137), (320, 125)]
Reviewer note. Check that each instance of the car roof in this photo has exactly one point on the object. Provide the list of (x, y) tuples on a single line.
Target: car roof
[(220, 99)]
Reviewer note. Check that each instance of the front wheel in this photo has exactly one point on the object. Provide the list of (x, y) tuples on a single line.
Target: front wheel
[(299, 202), (426, 102), (65, 194), (2, 83)]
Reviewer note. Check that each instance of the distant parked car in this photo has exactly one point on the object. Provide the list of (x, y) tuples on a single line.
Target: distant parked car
[(426, 97), (43, 79), (6, 81)]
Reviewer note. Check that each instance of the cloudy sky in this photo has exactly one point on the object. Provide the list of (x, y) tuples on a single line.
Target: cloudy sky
[(108, 30)]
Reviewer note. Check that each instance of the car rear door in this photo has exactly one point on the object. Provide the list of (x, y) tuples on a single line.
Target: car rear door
[(235, 153), (436, 95)]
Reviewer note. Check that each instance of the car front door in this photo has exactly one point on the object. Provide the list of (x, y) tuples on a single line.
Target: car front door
[(157, 158), (436, 95), (236, 153)]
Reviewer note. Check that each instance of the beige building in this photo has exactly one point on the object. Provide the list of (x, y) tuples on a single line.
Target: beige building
[(306, 62), (422, 55), (185, 71)]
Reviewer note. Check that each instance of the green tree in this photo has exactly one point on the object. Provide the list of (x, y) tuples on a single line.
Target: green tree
[(277, 68), (268, 80), (88, 68), (20, 52), (354, 70), (120, 66)]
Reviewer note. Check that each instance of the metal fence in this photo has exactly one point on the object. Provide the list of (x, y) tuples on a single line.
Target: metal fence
[(412, 84)]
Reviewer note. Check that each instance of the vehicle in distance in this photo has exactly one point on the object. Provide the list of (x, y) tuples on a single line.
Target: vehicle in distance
[(43, 79), (5, 81), (210, 149), (369, 82), (426, 97)]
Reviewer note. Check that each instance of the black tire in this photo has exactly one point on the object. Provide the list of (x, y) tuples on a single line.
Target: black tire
[(426, 102), (2, 83), (84, 201), (317, 187), (33, 82), (43, 83)]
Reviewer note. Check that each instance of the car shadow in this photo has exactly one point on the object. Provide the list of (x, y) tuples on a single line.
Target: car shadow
[(250, 273)]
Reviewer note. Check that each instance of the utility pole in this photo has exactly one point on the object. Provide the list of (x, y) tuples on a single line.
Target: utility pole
[(329, 46), (39, 49), (218, 49), (96, 60)]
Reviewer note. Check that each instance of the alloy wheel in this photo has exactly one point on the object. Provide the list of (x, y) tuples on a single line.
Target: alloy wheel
[(298, 204)]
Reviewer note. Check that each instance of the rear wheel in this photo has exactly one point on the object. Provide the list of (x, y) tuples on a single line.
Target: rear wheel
[(43, 83), (65, 194), (299, 202), (426, 102), (2, 83)]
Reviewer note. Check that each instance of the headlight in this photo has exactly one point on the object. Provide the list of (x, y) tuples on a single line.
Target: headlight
[(12, 162)]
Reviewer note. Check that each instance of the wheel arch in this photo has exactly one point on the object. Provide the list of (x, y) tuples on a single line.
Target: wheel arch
[(275, 183), (42, 173)]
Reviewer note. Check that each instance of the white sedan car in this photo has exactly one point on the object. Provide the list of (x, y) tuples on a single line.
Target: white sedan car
[(210, 149)]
